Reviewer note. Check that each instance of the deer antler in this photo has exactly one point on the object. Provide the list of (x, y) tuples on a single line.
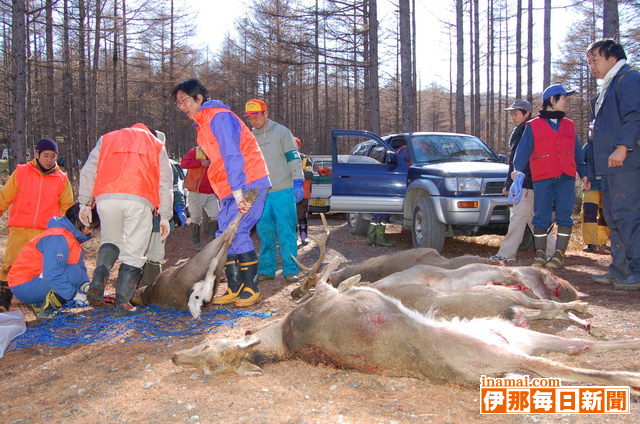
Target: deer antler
[(311, 278)]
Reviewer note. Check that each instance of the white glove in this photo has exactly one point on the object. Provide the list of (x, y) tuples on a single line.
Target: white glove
[(81, 296), (165, 229), (85, 215)]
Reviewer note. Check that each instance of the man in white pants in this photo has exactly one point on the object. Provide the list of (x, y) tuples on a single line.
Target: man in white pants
[(522, 213), (129, 175)]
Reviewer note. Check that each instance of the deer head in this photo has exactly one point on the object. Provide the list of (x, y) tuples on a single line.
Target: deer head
[(311, 276)]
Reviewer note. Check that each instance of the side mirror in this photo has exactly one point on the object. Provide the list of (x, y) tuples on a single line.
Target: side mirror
[(502, 158), (391, 158)]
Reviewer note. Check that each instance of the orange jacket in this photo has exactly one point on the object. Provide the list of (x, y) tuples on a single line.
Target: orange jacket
[(553, 151), (29, 263), (129, 164), (254, 165), (35, 197)]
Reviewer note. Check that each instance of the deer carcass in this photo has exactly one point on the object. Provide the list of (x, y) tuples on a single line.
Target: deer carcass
[(373, 269), (193, 284), (365, 330)]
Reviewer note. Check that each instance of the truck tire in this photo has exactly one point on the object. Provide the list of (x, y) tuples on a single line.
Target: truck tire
[(357, 224), (426, 230)]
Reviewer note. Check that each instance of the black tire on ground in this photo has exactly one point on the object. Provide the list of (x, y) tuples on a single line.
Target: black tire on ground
[(426, 230), (357, 224)]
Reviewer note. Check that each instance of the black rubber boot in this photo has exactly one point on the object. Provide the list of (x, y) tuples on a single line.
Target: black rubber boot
[(50, 306), (107, 256), (195, 236), (562, 242), (540, 245), (213, 229), (128, 277), (248, 277), (234, 286), (5, 296), (303, 230), (150, 271)]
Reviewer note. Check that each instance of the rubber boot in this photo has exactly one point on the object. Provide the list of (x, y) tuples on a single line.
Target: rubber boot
[(213, 228), (371, 234), (562, 242), (107, 256), (195, 236), (128, 277), (234, 286), (303, 230), (150, 271), (5, 296), (540, 245), (248, 263), (50, 306), (380, 239)]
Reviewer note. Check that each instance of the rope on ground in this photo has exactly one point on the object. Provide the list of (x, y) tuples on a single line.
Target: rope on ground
[(151, 324)]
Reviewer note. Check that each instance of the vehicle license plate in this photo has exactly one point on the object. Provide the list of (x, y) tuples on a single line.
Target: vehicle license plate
[(318, 202)]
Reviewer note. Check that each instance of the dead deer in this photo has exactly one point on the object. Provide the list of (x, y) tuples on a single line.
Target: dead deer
[(373, 269), (363, 329), (192, 285)]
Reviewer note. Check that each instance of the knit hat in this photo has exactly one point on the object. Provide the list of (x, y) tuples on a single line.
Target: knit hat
[(46, 144)]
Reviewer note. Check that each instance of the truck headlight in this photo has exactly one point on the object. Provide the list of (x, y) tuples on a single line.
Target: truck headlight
[(463, 184)]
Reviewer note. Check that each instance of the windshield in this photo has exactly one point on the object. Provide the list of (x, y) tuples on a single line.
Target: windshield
[(450, 148)]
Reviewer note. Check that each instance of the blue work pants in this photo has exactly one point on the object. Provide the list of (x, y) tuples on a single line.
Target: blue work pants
[(277, 226), (559, 191)]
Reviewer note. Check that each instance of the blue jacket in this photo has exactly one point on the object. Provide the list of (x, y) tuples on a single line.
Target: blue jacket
[(618, 122), (55, 253)]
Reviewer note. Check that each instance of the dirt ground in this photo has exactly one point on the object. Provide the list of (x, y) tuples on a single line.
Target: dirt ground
[(115, 382)]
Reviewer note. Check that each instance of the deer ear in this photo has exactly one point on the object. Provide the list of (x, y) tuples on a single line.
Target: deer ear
[(247, 342), (349, 282)]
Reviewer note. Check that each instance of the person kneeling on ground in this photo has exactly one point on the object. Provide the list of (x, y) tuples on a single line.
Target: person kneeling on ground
[(50, 268)]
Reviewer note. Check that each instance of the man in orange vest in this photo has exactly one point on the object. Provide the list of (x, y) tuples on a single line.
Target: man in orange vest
[(129, 175), (201, 197), (50, 270), (236, 164), (36, 191)]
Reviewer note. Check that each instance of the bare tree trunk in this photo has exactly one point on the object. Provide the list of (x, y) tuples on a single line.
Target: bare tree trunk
[(476, 65), (316, 77), (610, 20), (51, 100), (115, 121), (489, 137), (71, 150), (374, 88), (460, 124), (530, 52), (82, 81), (125, 66), (518, 50), (451, 114), (472, 94), (92, 134), (547, 44), (408, 104), (18, 143)]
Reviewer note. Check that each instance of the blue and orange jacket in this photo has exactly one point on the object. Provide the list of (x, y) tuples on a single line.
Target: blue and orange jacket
[(56, 254), (236, 158), (35, 196)]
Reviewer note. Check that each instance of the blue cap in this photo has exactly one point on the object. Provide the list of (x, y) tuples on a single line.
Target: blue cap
[(554, 90)]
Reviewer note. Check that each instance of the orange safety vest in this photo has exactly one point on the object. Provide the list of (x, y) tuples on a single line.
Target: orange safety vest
[(553, 151), (129, 164), (38, 197), (254, 164), (29, 262)]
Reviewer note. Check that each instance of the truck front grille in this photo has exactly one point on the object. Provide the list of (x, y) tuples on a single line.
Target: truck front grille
[(493, 188)]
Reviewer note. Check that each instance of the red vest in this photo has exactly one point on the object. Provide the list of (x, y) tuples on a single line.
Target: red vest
[(254, 164), (28, 264), (38, 197), (129, 164), (553, 151)]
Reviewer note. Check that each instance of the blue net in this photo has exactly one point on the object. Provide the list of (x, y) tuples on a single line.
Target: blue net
[(151, 324)]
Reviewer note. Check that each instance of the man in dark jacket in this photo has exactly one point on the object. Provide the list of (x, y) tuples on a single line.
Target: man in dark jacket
[(616, 134), (521, 213)]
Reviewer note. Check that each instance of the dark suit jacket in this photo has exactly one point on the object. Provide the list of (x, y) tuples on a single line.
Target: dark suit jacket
[(618, 122)]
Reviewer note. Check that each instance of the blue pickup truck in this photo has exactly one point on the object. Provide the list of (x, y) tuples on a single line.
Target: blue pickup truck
[(437, 184)]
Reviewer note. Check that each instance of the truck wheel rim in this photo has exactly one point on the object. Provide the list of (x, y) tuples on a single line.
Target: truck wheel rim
[(417, 226)]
